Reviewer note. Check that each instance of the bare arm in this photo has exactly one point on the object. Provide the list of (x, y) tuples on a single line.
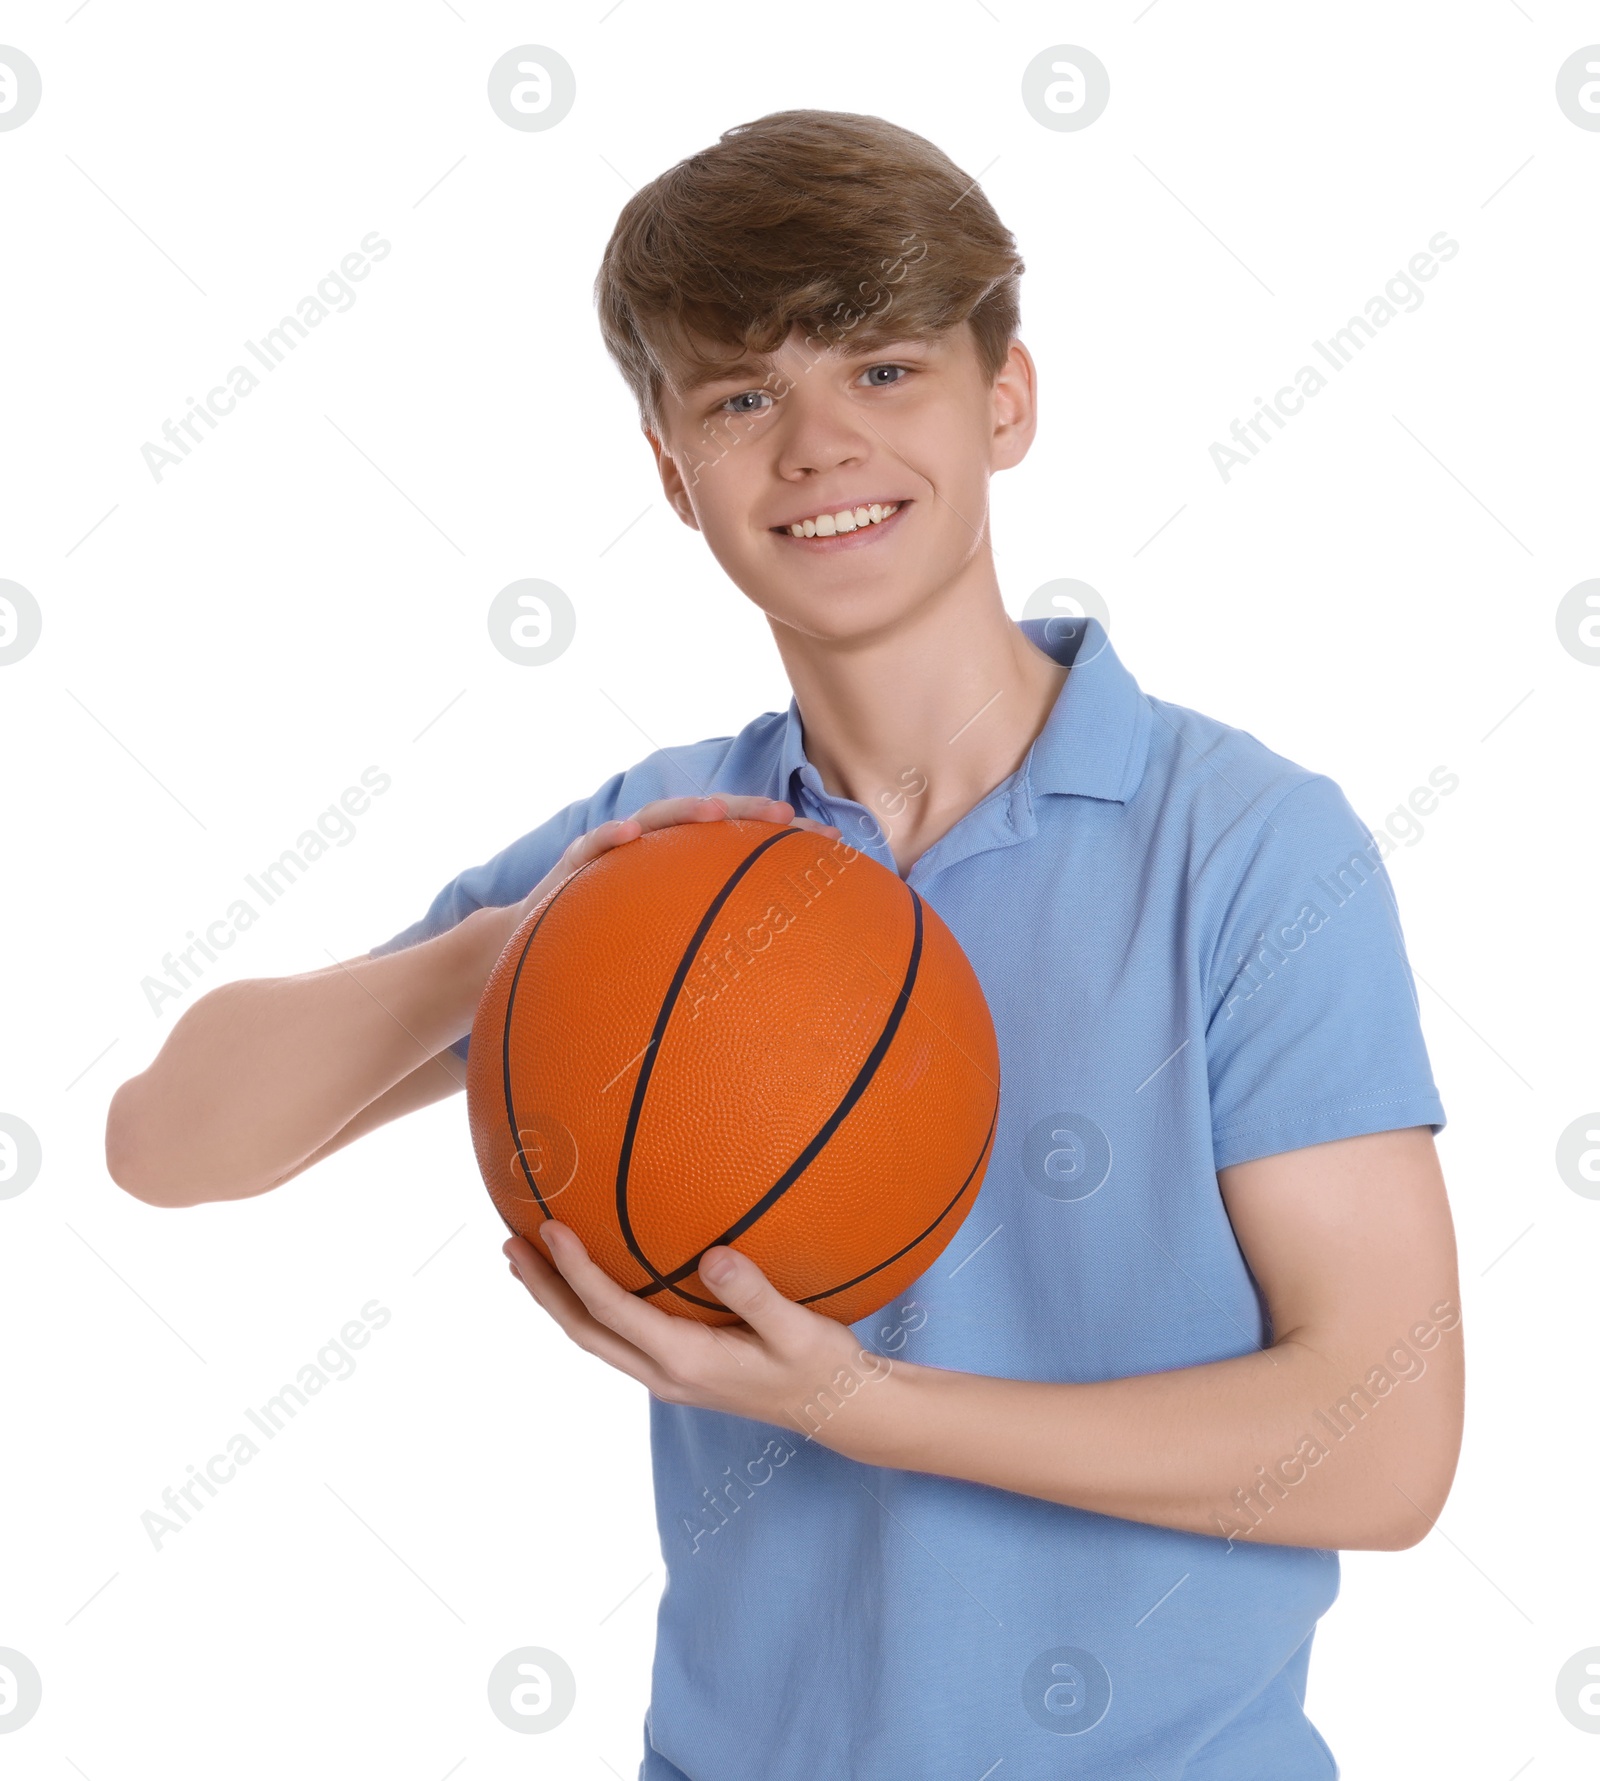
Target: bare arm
[(1344, 1431), (262, 1078), (443, 1075)]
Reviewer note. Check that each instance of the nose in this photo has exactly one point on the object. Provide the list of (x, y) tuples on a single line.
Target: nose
[(817, 431)]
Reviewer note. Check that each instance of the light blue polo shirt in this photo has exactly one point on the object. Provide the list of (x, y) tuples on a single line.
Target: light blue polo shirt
[(1193, 957)]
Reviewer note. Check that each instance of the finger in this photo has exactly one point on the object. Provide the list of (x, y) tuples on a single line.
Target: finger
[(664, 812), (661, 1337), (740, 804), (744, 1289), (596, 842), (587, 847), (547, 1288), (659, 814)]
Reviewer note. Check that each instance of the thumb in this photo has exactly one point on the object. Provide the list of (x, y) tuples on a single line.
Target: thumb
[(744, 1289)]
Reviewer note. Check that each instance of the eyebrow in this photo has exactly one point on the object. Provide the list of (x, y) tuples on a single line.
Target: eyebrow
[(759, 368), (713, 375)]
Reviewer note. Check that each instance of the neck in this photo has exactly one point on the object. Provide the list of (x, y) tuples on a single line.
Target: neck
[(917, 723)]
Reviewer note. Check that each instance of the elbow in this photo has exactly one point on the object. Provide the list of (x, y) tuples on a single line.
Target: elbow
[(128, 1153), (1379, 1528), (122, 1154), (1410, 1513), (1398, 1532), (1415, 1520)]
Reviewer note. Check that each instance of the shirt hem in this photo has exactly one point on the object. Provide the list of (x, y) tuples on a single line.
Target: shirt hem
[(1256, 1138)]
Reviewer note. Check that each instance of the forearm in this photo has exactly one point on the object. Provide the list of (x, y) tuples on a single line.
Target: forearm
[(1273, 1445), (261, 1075)]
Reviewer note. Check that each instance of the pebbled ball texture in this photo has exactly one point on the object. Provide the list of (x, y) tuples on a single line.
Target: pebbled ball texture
[(737, 1032)]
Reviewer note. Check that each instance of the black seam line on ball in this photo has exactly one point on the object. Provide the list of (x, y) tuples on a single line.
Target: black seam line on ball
[(829, 1126), (651, 1051), (983, 1150), (505, 1037)]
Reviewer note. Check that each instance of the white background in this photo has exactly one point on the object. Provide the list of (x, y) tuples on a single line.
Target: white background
[(224, 651)]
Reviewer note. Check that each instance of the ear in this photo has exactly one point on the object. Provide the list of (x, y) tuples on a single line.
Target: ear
[(1015, 399), (672, 482)]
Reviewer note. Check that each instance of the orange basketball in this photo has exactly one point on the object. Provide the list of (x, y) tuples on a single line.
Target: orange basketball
[(745, 1033)]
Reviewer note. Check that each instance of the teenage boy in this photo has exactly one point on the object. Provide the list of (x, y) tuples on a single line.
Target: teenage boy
[(1069, 1505)]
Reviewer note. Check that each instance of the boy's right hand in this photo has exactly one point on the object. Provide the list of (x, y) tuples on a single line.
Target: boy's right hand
[(660, 814)]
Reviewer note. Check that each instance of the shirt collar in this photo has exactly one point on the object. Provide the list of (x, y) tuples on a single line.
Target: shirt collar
[(1097, 736), (1094, 742)]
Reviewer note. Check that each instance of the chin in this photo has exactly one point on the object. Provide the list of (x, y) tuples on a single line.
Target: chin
[(844, 614)]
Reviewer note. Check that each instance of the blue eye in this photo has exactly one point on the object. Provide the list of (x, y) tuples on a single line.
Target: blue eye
[(758, 401)]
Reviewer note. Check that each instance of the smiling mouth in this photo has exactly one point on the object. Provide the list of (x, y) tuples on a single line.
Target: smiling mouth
[(847, 527)]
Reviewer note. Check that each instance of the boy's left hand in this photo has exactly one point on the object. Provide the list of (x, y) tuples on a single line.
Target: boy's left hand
[(775, 1366)]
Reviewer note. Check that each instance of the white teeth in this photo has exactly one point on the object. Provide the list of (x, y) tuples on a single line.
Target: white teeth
[(847, 519)]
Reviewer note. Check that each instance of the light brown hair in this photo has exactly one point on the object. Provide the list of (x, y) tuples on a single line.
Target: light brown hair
[(850, 225)]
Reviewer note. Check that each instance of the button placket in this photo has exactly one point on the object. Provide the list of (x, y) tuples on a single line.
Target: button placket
[(1001, 819)]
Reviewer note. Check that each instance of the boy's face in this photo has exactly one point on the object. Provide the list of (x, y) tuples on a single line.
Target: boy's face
[(807, 432)]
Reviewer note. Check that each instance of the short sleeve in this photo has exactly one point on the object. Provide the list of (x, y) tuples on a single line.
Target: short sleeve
[(509, 875), (1314, 1031)]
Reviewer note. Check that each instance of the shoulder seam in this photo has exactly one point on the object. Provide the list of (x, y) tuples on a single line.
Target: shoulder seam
[(1248, 853)]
